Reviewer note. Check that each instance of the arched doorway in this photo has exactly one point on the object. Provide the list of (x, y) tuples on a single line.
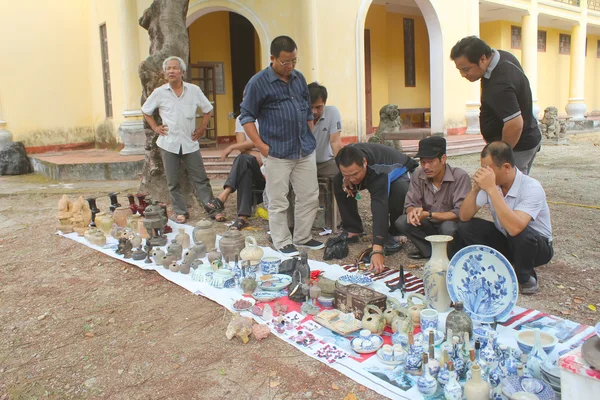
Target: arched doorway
[(391, 64), (225, 52)]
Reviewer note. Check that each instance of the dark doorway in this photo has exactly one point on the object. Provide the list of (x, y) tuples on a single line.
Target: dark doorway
[(368, 90), (241, 33)]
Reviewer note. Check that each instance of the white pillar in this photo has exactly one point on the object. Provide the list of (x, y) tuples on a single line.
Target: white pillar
[(5, 135), (472, 106), (132, 128), (576, 107), (529, 50)]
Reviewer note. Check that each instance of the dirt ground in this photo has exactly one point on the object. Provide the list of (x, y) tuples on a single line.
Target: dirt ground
[(75, 323)]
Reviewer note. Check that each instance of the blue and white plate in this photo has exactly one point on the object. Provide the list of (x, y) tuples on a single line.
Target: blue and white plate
[(484, 281), (355, 279), (274, 282), (515, 384), (265, 297), (365, 346)]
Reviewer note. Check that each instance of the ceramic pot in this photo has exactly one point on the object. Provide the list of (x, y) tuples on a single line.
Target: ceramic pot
[(204, 232), (459, 321), (142, 229), (120, 216), (252, 252), (175, 250), (199, 249), (375, 322), (477, 388), (133, 222), (88, 234), (389, 314), (231, 243), (104, 222), (183, 238), (213, 255), (249, 285), (98, 239), (434, 278), (414, 309), (157, 255)]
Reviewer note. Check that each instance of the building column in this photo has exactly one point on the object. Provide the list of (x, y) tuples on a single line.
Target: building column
[(5, 136), (473, 105), (132, 129), (530, 52), (309, 56), (576, 107)]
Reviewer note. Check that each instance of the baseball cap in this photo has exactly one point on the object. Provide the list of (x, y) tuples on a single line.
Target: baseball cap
[(431, 147)]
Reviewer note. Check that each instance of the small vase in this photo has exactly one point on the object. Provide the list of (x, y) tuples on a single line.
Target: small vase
[(120, 216), (433, 365), (414, 362), (457, 360), (476, 388), (452, 389), (114, 203), (183, 238), (175, 250), (132, 206), (133, 222), (426, 383), (142, 204), (104, 222), (536, 357), (459, 321), (436, 291)]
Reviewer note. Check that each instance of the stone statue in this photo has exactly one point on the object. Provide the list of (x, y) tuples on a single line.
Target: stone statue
[(64, 215), (551, 126), (82, 216), (389, 122)]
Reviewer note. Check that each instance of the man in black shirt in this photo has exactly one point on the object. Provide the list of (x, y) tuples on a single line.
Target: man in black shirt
[(506, 111), (381, 170)]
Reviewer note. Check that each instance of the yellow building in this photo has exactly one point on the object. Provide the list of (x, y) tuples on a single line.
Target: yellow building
[(68, 76)]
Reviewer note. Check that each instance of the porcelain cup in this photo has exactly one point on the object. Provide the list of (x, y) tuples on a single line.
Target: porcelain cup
[(387, 352), (429, 319), (270, 265), (399, 353), (365, 334)]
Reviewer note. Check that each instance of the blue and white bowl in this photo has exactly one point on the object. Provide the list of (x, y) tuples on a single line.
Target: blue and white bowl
[(526, 340), (355, 279), (270, 265), (326, 302)]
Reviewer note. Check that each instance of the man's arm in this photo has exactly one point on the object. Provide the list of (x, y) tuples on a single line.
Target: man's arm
[(507, 108), (335, 140), (148, 108), (512, 130), (160, 130), (241, 144), (204, 104), (335, 130), (469, 206), (250, 107), (378, 188)]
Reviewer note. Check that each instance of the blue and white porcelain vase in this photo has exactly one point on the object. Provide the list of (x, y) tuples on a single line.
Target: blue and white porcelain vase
[(414, 362), (426, 383), (457, 360), (452, 389), (434, 278), (444, 374), (510, 362), (433, 365), (536, 357)]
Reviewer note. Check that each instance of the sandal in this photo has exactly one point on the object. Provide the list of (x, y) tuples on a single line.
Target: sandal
[(239, 224), (181, 219), (214, 206), (220, 217)]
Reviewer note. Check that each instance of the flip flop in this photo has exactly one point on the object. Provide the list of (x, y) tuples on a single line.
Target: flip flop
[(239, 224)]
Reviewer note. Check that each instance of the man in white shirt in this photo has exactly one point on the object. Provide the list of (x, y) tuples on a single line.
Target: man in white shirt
[(327, 130), (521, 230), (177, 102)]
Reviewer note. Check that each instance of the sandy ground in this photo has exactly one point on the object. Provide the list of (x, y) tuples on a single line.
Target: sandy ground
[(77, 324)]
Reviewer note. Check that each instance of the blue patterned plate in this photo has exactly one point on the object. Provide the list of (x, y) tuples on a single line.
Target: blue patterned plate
[(356, 279), (265, 297), (516, 384), (484, 281), (274, 282)]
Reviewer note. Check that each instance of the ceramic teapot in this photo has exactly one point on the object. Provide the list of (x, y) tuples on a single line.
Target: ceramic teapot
[(401, 321), (231, 243), (414, 309), (252, 252), (375, 322)]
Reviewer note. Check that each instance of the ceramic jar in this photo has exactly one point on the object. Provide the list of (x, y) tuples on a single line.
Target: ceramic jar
[(459, 321), (204, 232), (175, 250), (214, 255), (183, 238), (133, 222), (95, 237), (434, 278), (231, 243), (375, 322), (120, 216), (476, 388), (104, 222), (414, 309), (252, 252), (249, 285)]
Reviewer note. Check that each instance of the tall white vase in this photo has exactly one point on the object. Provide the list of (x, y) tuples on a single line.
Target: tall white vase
[(436, 291)]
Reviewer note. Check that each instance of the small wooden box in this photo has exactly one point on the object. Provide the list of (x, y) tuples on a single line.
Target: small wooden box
[(354, 299)]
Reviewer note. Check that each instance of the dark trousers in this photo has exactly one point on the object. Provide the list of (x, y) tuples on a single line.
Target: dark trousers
[(417, 234), (525, 251), (245, 176), (348, 206)]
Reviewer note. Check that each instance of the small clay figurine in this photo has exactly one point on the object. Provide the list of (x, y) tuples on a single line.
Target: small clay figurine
[(124, 246)]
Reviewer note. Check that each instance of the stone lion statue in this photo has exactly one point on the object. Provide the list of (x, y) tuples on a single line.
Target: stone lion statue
[(552, 127), (389, 122)]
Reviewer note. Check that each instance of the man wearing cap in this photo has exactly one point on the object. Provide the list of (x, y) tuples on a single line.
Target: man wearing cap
[(434, 197)]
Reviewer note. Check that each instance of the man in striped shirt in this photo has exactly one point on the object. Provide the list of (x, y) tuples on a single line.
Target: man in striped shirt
[(278, 98)]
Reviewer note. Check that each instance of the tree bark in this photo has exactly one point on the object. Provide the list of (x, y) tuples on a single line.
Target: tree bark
[(165, 22)]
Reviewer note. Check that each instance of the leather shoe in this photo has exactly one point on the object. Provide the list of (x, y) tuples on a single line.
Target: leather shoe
[(416, 256)]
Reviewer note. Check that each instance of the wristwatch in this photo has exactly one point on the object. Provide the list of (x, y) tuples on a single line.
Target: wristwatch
[(429, 218)]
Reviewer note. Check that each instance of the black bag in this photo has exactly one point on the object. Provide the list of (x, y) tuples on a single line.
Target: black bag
[(336, 247)]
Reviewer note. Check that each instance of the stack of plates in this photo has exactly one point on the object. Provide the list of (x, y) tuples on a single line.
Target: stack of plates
[(551, 375)]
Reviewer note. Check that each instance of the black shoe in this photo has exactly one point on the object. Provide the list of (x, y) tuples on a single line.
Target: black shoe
[(416, 256), (289, 250), (391, 246), (530, 287), (312, 244)]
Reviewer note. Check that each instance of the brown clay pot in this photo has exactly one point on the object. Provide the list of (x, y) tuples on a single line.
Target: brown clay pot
[(231, 244)]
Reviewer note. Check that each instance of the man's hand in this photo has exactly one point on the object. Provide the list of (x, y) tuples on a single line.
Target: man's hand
[(161, 130), (198, 133), (485, 179), (415, 216), (264, 149), (348, 188), (377, 262), (226, 152)]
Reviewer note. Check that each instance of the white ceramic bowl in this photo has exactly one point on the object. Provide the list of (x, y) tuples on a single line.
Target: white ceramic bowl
[(526, 340)]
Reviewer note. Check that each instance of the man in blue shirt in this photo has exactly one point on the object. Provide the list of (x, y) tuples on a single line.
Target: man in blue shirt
[(278, 98)]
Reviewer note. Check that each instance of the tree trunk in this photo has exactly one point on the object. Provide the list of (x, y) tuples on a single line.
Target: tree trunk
[(165, 22)]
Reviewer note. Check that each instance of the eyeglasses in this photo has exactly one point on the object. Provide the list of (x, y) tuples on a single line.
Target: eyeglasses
[(285, 64)]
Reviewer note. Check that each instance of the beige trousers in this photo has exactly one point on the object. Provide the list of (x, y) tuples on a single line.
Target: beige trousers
[(302, 174)]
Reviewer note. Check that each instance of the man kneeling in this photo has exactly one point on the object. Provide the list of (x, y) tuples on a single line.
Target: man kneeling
[(434, 197), (521, 230)]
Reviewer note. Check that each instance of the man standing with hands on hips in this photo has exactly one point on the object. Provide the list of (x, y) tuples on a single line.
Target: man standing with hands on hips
[(278, 98), (177, 102)]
